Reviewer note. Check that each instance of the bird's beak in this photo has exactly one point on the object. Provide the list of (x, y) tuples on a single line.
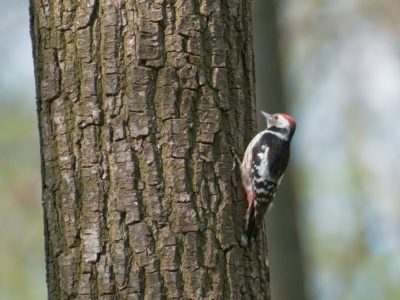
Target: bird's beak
[(266, 115), (268, 118)]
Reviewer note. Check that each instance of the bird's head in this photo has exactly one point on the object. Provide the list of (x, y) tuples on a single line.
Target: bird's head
[(281, 123)]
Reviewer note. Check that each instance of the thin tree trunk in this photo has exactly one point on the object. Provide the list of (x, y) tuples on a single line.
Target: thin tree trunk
[(286, 261), (139, 104)]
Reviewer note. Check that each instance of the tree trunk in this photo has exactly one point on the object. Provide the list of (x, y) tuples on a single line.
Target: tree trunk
[(139, 105), (286, 262)]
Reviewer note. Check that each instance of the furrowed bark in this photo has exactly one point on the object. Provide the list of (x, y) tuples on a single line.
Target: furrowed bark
[(139, 105)]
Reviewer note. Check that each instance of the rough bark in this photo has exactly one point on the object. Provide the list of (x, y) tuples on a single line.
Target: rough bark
[(285, 255), (139, 103)]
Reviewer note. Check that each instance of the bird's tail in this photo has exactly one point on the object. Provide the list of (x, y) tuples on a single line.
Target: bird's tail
[(250, 231)]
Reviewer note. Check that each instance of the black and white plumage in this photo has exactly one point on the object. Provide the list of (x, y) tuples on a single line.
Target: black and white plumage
[(263, 166)]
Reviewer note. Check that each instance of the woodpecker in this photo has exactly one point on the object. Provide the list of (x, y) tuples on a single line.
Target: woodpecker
[(262, 169)]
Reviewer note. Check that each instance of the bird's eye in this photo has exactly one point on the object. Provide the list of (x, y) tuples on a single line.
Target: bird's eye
[(276, 118)]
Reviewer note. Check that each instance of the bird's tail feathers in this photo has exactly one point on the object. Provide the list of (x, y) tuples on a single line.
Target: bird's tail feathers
[(250, 231)]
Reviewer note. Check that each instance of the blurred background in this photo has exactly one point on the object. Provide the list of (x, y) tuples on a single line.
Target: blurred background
[(334, 232), (22, 266), (339, 69)]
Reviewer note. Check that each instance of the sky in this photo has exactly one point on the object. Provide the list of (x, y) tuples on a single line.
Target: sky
[(16, 77)]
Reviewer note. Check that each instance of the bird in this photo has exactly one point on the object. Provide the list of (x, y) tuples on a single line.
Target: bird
[(262, 169)]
